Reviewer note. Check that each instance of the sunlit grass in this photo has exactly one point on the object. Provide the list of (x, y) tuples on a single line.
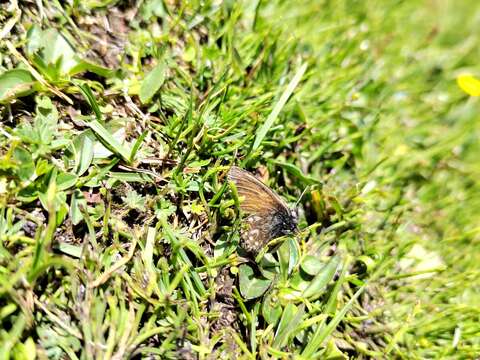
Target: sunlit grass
[(119, 233)]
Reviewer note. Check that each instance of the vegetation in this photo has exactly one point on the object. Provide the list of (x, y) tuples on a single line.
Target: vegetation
[(119, 230)]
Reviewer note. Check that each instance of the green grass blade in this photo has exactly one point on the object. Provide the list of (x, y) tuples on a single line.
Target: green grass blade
[(262, 131), (323, 332)]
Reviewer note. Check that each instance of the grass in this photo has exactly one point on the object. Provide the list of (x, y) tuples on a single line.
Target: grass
[(118, 229)]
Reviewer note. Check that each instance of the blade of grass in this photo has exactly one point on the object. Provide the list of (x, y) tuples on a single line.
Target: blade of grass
[(291, 317), (136, 145), (87, 93), (323, 332), (262, 131)]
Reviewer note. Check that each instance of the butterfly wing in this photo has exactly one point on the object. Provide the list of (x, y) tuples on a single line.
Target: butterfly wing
[(257, 198), (269, 216), (256, 233)]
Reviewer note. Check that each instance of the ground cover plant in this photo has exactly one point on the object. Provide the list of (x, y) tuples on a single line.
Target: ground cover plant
[(119, 232)]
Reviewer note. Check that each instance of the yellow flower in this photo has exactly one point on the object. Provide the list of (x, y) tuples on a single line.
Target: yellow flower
[(469, 84)]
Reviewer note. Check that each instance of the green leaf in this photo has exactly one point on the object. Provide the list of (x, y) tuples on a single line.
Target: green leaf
[(331, 304), (16, 83), (299, 281), (288, 257), (25, 351), (250, 286), (26, 166), (84, 65), (289, 322), (46, 119), (151, 8), (87, 93), (262, 131), (55, 56), (109, 141), (311, 265), (152, 83), (98, 174), (332, 352), (269, 266), (76, 202), (295, 171), (133, 200), (58, 201), (83, 146), (271, 309), (66, 180), (53, 48), (69, 249), (294, 251), (131, 177), (137, 144), (44, 128), (321, 280)]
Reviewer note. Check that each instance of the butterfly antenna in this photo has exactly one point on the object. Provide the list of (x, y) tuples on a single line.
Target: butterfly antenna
[(301, 196)]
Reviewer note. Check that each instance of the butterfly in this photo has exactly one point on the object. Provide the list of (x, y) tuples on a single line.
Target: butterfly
[(268, 218)]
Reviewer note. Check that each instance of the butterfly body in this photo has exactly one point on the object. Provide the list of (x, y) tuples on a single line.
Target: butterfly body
[(268, 215)]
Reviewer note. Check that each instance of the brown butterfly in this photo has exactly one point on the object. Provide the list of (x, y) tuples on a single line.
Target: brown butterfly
[(268, 215)]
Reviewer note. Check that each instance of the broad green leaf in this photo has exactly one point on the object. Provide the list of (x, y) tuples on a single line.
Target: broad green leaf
[(294, 251), (55, 56), (52, 47), (76, 202), (299, 281), (16, 83), (152, 83), (225, 245), (269, 266), (66, 180), (59, 201), (311, 265), (321, 280), (44, 128), (70, 249), (83, 146), (25, 351), (271, 308), (288, 256), (42, 167), (99, 174), (250, 286), (152, 8), (26, 166), (46, 119)]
